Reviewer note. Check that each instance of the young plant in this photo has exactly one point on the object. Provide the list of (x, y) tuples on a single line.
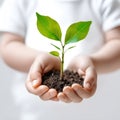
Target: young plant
[(50, 28)]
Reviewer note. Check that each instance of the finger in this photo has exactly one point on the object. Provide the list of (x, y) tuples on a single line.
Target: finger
[(51, 93), (81, 92), (37, 91), (54, 99), (35, 78), (37, 66), (36, 83), (90, 78), (36, 71), (62, 97), (71, 94), (81, 72)]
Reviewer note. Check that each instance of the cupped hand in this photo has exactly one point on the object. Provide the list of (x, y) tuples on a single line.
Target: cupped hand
[(76, 93), (42, 64)]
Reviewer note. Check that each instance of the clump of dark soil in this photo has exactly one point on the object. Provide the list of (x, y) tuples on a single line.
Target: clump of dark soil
[(52, 79)]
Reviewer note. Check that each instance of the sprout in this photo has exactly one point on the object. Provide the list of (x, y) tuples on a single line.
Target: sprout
[(50, 28)]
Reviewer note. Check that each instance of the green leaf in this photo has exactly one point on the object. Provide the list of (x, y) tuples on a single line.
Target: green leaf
[(48, 27), (77, 31), (54, 53), (70, 48), (55, 46)]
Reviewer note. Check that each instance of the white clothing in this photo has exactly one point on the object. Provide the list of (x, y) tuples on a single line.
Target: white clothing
[(18, 16)]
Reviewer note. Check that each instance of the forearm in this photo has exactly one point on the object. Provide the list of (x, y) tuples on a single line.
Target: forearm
[(18, 56), (15, 53), (107, 58)]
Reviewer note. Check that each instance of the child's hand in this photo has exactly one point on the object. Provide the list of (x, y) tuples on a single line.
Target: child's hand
[(42, 64), (84, 66)]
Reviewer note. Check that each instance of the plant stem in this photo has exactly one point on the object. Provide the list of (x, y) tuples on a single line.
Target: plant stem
[(62, 61)]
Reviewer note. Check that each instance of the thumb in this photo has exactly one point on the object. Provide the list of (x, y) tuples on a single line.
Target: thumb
[(36, 83), (36, 79), (90, 78)]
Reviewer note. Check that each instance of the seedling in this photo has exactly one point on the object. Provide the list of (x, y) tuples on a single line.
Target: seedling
[(50, 28)]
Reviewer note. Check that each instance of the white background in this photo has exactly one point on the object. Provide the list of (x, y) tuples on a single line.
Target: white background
[(107, 106), (8, 109)]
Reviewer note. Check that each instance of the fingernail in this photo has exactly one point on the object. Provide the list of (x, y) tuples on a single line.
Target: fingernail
[(35, 83)]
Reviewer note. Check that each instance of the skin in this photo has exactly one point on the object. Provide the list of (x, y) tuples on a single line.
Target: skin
[(36, 63)]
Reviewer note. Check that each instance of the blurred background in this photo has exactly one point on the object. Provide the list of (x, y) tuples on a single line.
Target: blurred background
[(108, 96), (8, 109)]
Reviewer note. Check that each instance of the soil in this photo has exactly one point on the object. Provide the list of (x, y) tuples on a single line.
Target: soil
[(52, 79)]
